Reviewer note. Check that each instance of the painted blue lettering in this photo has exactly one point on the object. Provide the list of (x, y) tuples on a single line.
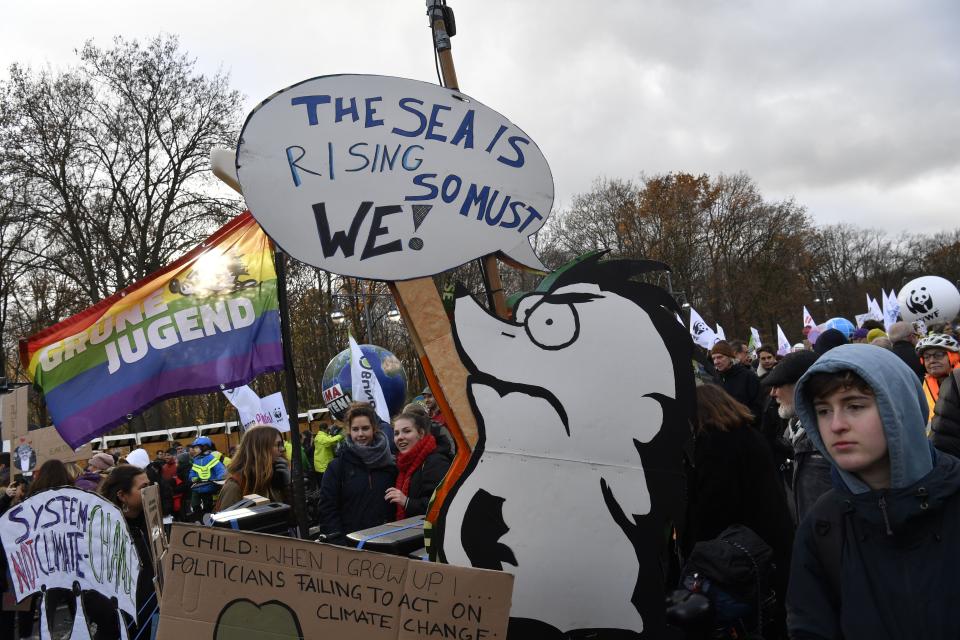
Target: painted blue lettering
[(514, 141), (370, 121), (465, 131), (295, 168), (311, 103), (23, 522), (496, 137), (534, 215), (473, 197), (435, 123), (515, 220), (404, 159), (447, 196), (386, 161), (494, 221), (421, 180), (341, 111), (413, 133), (366, 161)]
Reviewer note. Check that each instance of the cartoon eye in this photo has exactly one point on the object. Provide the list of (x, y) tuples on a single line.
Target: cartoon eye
[(526, 304), (552, 326)]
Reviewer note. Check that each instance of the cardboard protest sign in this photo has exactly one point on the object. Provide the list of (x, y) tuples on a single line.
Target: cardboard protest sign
[(48, 444), (224, 584), (583, 407), (153, 515), (70, 539), (391, 179)]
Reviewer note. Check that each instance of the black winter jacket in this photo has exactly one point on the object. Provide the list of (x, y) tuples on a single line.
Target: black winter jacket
[(735, 482), (352, 497), (946, 416), (425, 479), (898, 569), (744, 385), (907, 352)]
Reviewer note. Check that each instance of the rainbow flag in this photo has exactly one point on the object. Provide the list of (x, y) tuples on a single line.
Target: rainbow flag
[(208, 321)]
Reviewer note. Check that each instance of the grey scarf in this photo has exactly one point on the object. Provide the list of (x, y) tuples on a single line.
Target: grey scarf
[(375, 455)]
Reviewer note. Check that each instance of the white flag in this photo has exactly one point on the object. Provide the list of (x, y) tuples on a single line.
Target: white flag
[(701, 333), (754, 343), (891, 309), (364, 386), (247, 403), (808, 319), (874, 310), (721, 335), (783, 345)]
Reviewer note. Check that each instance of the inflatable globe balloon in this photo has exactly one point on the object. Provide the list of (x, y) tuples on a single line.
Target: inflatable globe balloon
[(338, 392), (931, 299), (842, 325)]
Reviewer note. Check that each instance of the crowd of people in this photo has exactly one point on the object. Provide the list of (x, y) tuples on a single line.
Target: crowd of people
[(840, 456), (367, 474)]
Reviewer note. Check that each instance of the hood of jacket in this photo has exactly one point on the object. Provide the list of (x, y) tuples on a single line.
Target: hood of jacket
[(900, 402)]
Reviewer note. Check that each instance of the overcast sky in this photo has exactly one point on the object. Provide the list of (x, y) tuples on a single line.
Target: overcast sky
[(852, 108)]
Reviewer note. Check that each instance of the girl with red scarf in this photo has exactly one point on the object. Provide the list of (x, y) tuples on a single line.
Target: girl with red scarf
[(423, 460)]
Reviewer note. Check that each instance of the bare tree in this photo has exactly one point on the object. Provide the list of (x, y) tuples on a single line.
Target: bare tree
[(113, 155)]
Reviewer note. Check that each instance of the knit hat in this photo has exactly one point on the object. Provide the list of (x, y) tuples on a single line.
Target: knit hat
[(875, 333), (828, 340), (101, 462), (723, 348), (139, 458), (860, 334)]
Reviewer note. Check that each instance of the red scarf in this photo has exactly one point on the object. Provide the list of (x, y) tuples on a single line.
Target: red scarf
[(407, 464)]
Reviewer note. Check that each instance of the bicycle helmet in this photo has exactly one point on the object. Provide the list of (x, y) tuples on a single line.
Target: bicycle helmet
[(939, 341), (202, 441)]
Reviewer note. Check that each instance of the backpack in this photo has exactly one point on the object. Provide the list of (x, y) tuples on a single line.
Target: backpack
[(734, 571)]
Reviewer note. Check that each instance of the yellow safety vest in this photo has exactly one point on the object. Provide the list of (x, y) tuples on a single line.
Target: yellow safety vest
[(222, 458), (203, 471)]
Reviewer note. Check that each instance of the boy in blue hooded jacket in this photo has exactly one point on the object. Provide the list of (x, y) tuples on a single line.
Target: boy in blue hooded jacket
[(876, 557)]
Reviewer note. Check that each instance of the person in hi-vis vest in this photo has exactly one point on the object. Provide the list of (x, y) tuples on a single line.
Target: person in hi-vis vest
[(206, 470)]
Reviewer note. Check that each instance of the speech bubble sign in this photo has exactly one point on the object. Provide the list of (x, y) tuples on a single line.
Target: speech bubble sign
[(391, 179)]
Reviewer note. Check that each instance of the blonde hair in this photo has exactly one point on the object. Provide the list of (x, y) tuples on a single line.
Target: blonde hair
[(253, 464)]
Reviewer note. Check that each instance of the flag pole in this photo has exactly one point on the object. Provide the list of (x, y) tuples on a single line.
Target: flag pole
[(489, 270), (290, 377), (221, 161)]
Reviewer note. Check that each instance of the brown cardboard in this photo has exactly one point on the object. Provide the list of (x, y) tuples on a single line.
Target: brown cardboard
[(45, 442), (15, 413), (222, 584), (48, 444), (153, 516)]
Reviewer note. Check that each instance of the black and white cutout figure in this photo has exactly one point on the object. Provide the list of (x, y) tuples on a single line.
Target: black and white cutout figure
[(919, 301), (582, 406)]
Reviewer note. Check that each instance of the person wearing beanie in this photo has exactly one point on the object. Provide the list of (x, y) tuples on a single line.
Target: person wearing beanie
[(873, 334), (860, 335), (736, 379), (810, 477), (97, 468), (828, 340)]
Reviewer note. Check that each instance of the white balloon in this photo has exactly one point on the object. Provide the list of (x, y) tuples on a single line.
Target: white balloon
[(931, 299)]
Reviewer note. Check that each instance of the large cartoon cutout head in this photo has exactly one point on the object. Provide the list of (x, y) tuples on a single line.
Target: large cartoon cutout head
[(583, 406)]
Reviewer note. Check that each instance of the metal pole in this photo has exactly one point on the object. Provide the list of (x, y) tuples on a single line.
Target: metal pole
[(441, 41), (296, 468)]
